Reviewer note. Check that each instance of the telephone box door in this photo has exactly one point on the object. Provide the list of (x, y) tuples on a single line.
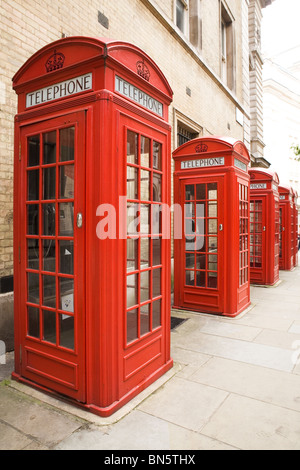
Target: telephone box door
[(258, 239), (51, 254), (202, 246)]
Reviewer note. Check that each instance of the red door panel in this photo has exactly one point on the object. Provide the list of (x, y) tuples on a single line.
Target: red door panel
[(52, 254), (202, 252)]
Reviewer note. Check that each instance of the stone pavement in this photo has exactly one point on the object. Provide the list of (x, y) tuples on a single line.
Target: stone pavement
[(235, 385)]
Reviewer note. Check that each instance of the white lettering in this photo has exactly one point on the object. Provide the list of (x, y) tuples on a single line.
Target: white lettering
[(258, 186), (59, 90), (137, 95), (206, 162)]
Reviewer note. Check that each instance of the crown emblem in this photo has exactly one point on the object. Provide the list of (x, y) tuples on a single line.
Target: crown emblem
[(201, 148), (55, 62), (143, 70)]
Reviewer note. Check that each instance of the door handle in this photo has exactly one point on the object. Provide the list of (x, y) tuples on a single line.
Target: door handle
[(79, 220), (221, 227)]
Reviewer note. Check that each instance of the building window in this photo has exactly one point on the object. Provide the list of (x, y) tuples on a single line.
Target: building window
[(181, 15), (227, 49), (195, 23), (185, 135)]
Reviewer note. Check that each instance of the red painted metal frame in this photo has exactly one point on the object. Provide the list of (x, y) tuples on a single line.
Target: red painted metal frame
[(112, 371), (265, 189), (232, 295), (296, 220), (286, 207)]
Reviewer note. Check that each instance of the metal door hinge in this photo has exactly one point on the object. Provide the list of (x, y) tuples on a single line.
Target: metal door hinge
[(20, 354)]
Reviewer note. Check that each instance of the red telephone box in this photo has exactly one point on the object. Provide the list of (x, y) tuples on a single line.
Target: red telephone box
[(286, 259), (211, 229), (264, 226), (92, 270), (295, 227)]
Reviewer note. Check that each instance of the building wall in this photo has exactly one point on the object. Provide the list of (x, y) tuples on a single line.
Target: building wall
[(202, 103)]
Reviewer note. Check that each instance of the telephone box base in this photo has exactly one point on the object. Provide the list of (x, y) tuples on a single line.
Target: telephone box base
[(206, 312), (104, 412)]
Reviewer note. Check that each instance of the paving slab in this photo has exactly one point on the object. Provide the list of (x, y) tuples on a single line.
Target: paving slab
[(254, 425), (267, 385), (141, 431), (185, 403), (36, 422)]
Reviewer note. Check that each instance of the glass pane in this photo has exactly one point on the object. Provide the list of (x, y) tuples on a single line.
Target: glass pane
[(201, 209), (212, 280), (157, 153), (66, 190), (66, 139), (213, 262), (132, 147), (201, 191), (145, 319), (66, 260), (157, 187), (34, 150), (212, 244), (212, 190), (156, 254), (145, 253), (190, 244), (132, 325), (190, 278), (189, 209), (33, 316), (132, 290), (66, 219), (133, 219), (190, 192), (200, 279), (145, 151), (33, 219), (33, 185), (156, 273), (190, 228), (200, 244), (49, 146), (49, 255), (33, 288), (132, 254), (132, 182), (201, 223), (49, 183), (33, 254), (49, 326), (49, 291), (201, 261), (145, 218), (49, 219), (66, 328), (156, 314), (66, 287), (212, 210), (145, 185), (145, 286), (212, 226), (190, 261)]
